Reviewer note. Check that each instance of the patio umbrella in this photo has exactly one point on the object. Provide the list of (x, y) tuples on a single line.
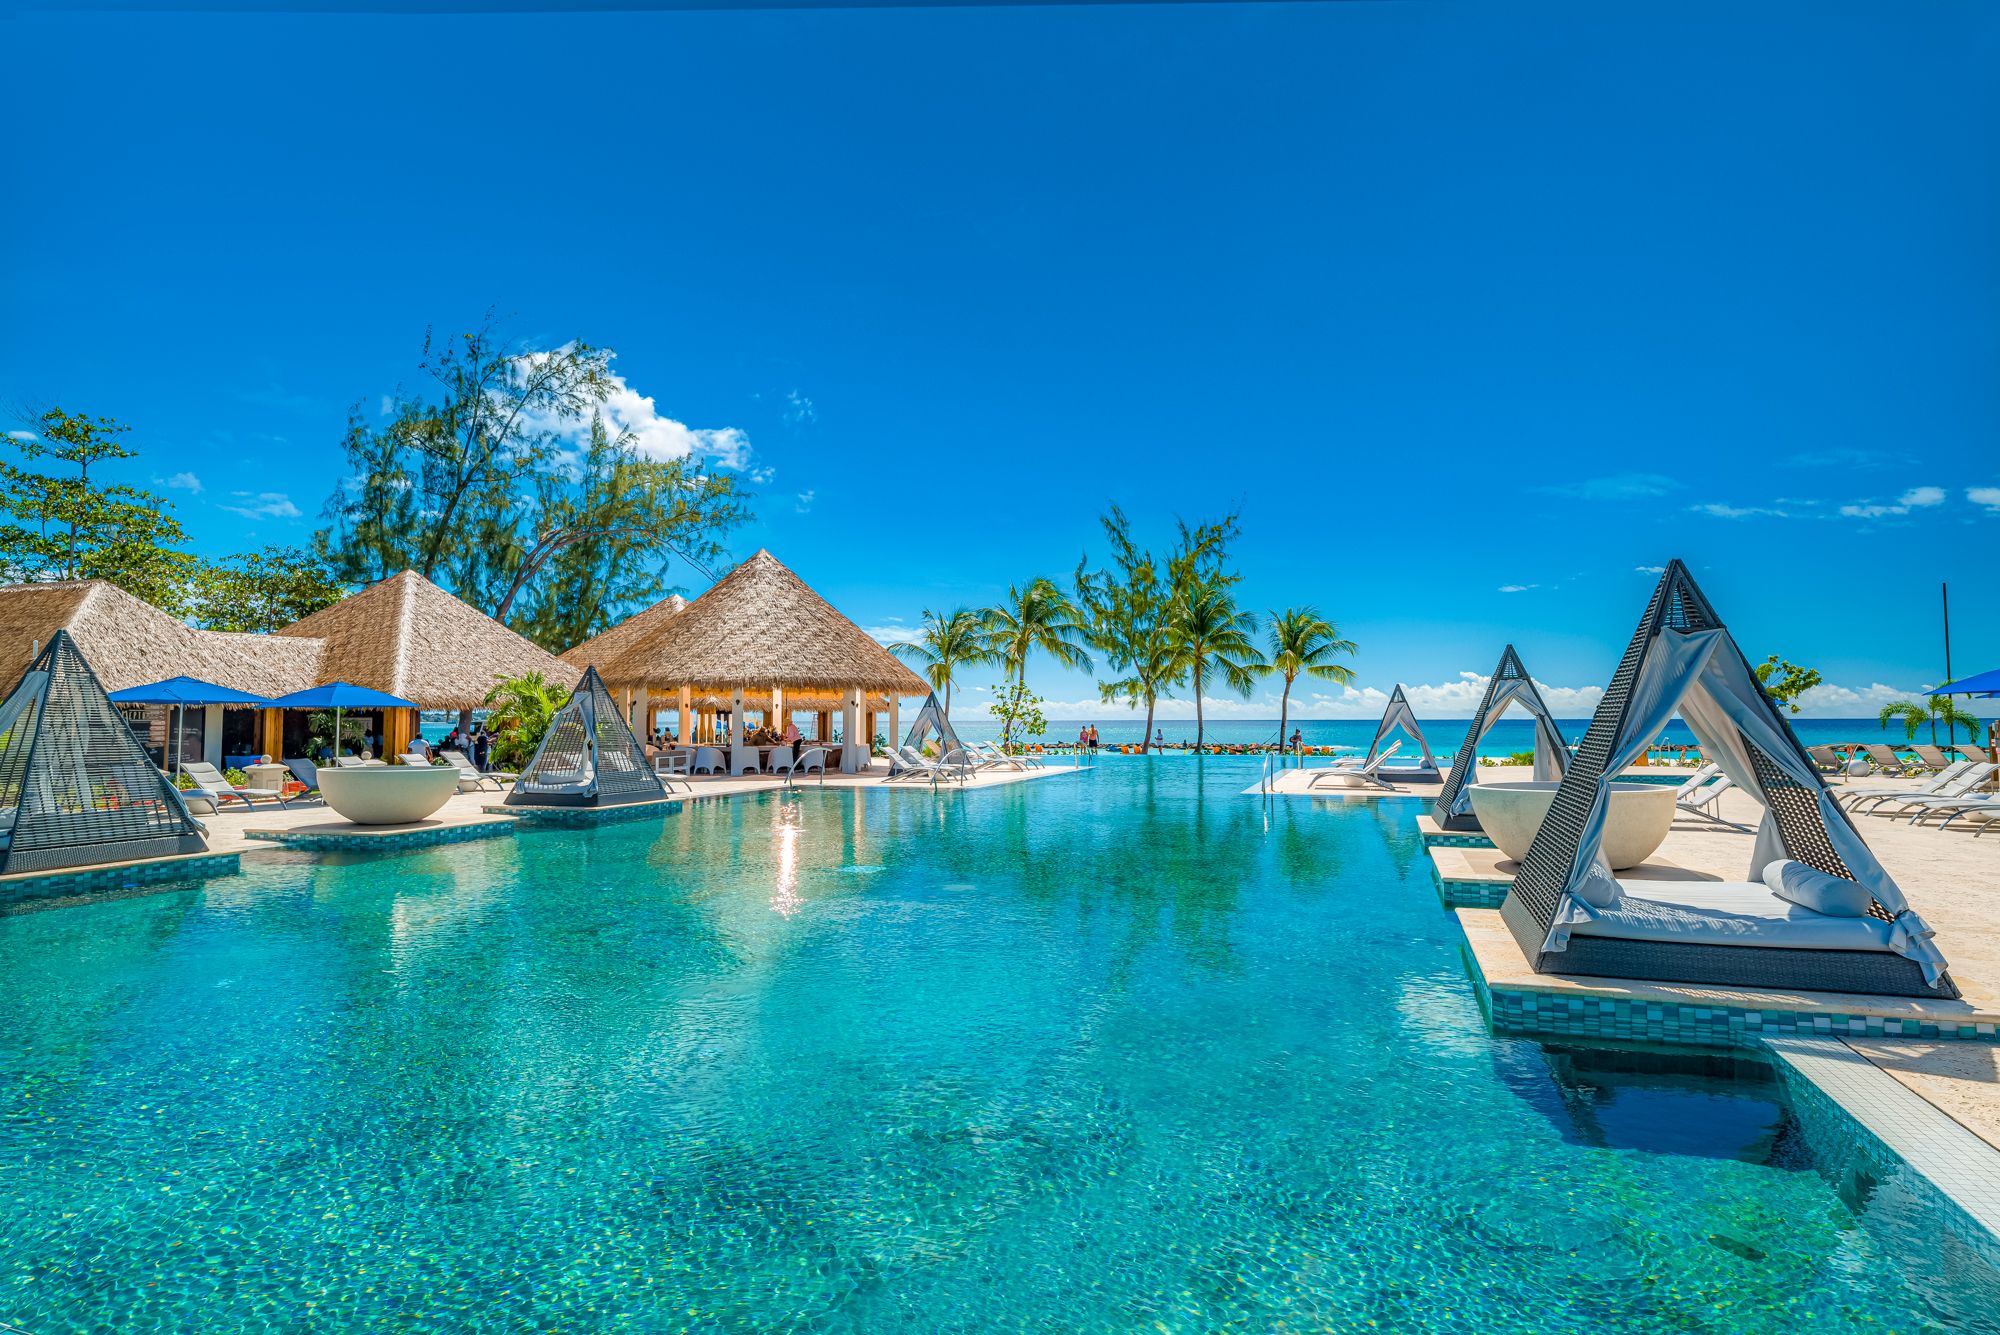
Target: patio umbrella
[(181, 692), (1986, 684), (338, 696)]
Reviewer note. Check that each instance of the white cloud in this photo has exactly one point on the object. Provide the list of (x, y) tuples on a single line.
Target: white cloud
[(799, 409), (1989, 497), (804, 503), (1720, 510), (181, 482), (1916, 498), (1650, 570), (629, 413), (892, 633), (1623, 487), (1518, 588), (1830, 701), (263, 505), (22, 435)]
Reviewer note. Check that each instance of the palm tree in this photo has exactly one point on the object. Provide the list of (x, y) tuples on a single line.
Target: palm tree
[(524, 706), (1149, 655), (1212, 634), (1940, 709), (1303, 641), (1035, 616), (949, 641)]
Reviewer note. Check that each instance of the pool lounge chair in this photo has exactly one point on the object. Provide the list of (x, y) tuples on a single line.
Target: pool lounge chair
[(499, 778), (1701, 799), (1973, 808), (1827, 760), (306, 773), (1965, 783), (1939, 785), (1933, 758), (1697, 779), (211, 784), (469, 780), (1885, 760), (1817, 911), (1357, 776)]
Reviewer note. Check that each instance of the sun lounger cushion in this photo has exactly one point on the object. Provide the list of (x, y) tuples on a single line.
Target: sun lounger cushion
[(1811, 888), (1727, 913)]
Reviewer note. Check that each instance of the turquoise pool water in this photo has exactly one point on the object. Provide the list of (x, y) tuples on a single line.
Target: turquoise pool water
[(1118, 1051)]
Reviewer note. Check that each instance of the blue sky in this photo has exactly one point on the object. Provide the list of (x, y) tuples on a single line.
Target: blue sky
[(1474, 311)]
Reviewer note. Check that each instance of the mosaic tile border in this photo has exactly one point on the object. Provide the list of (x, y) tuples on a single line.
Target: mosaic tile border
[(570, 817), (1457, 839), (88, 880), (397, 842), (1471, 894), (1640, 1021)]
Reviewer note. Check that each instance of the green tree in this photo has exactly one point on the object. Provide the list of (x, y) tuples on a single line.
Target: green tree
[(480, 488), (1127, 608), (949, 641), (263, 591), (1303, 641), (523, 708), (70, 525), (1786, 682), (1018, 709), (1214, 635), (1037, 615), (1937, 709)]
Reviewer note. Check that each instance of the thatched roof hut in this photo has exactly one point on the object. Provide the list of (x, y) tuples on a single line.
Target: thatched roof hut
[(612, 646), (406, 636), (130, 642), (760, 627)]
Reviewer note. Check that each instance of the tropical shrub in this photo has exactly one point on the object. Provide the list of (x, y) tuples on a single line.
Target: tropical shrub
[(523, 708)]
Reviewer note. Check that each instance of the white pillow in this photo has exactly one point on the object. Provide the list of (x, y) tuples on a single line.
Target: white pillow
[(1811, 888)]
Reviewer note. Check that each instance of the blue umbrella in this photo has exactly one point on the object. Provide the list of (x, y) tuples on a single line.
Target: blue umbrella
[(340, 695), (181, 692), (1986, 683)]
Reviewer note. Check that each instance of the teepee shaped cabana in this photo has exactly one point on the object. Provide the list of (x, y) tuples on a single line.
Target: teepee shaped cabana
[(588, 757), (1815, 911), (931, 718), (1399, 715), (1509, 686), (76, 787)]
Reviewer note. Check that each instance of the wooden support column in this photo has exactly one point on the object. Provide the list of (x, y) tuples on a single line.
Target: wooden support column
[(398, 727), (687, 701), (777, 719), (736, 719), (853, 753), (895, 722), (271, 733), (642, 714)]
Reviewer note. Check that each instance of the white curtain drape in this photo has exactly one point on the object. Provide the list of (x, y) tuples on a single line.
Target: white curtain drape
[(1550, 753), (1400, 715)]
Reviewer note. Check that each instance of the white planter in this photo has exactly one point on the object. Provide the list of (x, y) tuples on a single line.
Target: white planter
[(387, 795), (1635, 824)]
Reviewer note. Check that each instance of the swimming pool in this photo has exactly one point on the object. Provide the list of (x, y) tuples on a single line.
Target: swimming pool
[(1119, 1050)]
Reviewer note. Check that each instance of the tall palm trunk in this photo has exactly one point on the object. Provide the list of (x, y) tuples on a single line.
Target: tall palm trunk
[(1146, 743), (1284, 708), (1198, 725)]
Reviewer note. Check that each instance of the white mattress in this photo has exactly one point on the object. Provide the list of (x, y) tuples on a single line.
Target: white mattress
[(1727, 913)]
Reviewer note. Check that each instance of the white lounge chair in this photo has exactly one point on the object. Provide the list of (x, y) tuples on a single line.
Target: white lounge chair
[(1357, 776), (469, 780), (909, 763), (1695, 780), (499, 778), (1964, 785), (1944, 784), (217, 789), (1974, 810), (1701, 800)]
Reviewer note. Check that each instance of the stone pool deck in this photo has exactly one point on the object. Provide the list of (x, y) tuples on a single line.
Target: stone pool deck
[(1946, 1052)]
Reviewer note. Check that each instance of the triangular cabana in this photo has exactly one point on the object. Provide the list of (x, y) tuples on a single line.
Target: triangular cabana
[(931, 718), (1510, 686), (1398, 715), (1816, 910), (79, 789), (588, 757)]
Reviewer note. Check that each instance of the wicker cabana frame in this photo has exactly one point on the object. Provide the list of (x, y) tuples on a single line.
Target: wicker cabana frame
[(81, 788), (588, 757), (1538, 889), (1510, 679)]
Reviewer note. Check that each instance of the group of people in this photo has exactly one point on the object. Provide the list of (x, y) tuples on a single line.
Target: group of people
[(1086, 738), (475, 744)]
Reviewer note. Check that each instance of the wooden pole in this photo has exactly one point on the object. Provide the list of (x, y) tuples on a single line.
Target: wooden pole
[(687, 700)]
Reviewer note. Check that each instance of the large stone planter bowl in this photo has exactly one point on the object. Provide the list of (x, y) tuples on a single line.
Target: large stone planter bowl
[(1635, 825), (388, 794)]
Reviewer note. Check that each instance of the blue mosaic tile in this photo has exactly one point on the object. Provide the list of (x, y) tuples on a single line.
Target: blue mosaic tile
[(383, 843), (1626, 1020), (1457, 839), (570, 817), (105, 880)]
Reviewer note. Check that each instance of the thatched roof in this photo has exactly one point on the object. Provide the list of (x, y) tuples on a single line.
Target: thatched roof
[(759, 627), (130, 642), (406, 636), (612, 645)]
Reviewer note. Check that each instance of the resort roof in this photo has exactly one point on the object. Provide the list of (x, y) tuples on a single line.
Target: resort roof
[(607, 649), (406, 636), (130, 642), (403, 635), (759, 627)]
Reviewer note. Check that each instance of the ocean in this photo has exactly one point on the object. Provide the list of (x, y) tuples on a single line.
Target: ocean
[(1512, 733)]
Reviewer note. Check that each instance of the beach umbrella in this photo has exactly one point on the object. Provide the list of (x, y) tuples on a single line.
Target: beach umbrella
[(339, 696), (1986, 684), (180, 692)]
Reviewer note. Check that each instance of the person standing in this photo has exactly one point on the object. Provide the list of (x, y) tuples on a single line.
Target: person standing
[(1093, 739)]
